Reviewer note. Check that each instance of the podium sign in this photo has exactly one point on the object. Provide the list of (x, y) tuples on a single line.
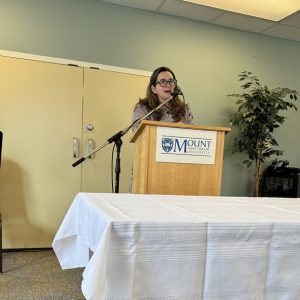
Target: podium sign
[(185, 146)]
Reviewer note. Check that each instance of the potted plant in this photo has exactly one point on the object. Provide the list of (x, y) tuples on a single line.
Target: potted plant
[(257, 116)]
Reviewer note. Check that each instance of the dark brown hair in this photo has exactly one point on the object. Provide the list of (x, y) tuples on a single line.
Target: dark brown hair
[(177, 107)]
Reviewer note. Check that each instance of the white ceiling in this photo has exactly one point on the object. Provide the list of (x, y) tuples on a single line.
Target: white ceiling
[(288, 28)]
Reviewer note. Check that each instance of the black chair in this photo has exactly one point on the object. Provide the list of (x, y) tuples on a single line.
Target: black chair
[(1, 266), (280, 180)]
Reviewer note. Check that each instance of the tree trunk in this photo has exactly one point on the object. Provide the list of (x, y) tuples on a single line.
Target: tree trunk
[(257, 176)]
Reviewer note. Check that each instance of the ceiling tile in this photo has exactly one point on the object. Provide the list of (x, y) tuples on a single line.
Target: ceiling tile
[(243, 22), (292, 20), (288, 28), (152, 5), (189, 10), (283, 31)]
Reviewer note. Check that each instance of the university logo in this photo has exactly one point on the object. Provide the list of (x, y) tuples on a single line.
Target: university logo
[(167, 144)]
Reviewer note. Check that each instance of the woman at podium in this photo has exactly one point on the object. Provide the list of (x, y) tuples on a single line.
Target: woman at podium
[(163, 87)]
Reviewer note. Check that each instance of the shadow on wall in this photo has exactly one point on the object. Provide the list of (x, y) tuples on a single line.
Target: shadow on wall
[(237, 179), (18, 232)]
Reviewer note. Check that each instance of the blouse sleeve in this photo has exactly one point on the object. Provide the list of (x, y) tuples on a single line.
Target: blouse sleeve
[(189, 118), (139, 111)]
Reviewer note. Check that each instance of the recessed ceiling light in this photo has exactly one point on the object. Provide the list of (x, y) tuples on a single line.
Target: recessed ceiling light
[(274, 10)]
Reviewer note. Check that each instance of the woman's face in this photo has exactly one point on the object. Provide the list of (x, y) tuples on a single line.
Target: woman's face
[(165, 84)]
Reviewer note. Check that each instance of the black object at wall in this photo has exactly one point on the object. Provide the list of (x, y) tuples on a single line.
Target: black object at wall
[(1, 138), (280, 180)]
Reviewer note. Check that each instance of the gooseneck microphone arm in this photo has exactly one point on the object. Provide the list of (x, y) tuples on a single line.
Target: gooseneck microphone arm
[(116, 138), (119, 134), (148, 114)]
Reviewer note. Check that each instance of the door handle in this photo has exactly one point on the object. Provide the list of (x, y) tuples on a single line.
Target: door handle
[(75, 147), (91, 147)]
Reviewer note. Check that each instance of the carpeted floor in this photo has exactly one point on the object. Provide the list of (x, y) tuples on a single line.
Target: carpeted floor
[(36, 275)]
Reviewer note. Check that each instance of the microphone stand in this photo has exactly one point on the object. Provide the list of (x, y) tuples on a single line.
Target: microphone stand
[(116, 138)]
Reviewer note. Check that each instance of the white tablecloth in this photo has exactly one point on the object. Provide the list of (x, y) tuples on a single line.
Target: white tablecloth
[(151, 247)]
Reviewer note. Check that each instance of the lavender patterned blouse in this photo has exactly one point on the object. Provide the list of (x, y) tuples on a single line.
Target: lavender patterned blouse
[(141, 110)]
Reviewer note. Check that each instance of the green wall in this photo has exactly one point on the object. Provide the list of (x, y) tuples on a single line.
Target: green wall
[(205, 58)]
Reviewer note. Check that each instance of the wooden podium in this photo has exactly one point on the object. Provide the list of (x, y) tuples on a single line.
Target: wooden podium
[(172, 178)]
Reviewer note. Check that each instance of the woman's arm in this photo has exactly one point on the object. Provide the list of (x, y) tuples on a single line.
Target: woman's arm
[(139, 111), (188, 118)]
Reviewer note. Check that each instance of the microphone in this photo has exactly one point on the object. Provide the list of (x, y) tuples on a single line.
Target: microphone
[(177, 91)]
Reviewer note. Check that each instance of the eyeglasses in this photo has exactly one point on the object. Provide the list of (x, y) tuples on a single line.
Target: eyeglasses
[(164, 82)]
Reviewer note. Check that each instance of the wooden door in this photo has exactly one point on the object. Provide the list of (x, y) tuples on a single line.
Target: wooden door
[(40, 113), (109, 98)]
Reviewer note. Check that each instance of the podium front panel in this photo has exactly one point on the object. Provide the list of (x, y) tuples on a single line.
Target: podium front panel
[(170, 178)]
